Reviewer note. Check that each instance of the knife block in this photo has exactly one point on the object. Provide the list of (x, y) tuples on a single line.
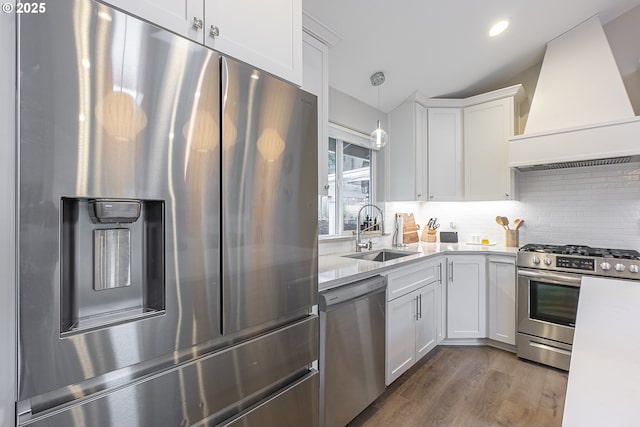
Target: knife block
[(428, 235), (511, 238)]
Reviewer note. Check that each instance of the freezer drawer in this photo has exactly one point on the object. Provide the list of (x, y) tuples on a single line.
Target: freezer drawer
[(295, 406), (214, 388)]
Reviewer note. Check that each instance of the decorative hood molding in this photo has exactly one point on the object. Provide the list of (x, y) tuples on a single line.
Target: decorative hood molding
[(580, 110)]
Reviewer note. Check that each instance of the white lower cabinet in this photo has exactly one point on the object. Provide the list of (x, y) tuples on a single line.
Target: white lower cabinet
[(453, 298), (401, 353), (426, 320), (412, 316), (466, 296), (502, 299)]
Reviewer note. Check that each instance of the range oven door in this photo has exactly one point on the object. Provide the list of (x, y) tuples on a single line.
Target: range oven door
[(547, 304)]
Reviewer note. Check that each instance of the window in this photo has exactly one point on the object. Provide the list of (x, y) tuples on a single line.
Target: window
[(351, 183)]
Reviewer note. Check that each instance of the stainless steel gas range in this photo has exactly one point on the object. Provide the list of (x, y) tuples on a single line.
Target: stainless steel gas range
[(549, 279)]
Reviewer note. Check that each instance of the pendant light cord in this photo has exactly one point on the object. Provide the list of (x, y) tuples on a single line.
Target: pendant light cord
[(124, 44)]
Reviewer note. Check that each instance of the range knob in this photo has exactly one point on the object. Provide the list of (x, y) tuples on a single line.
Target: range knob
[(620, 267), (605, 266), (633, 268), (547, 261), (536, 260)]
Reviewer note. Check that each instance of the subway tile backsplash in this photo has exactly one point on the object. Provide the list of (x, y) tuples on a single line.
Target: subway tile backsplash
[(597, 206)]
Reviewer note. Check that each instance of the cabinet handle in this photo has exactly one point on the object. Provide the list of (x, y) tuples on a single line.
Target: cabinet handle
[(506, 195), (420, 306), (417, 308), (451, 271), (419, 195), (440, 272), (431, 197), (326, 186), (214, 31), (197, 23)]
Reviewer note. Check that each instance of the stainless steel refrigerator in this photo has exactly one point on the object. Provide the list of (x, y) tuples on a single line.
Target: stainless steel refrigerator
[(167, 230)]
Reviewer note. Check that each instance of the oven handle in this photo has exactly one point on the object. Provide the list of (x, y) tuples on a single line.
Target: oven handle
[(560, 279)]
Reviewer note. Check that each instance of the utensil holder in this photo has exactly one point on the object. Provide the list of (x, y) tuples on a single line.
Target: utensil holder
[(511, 238)]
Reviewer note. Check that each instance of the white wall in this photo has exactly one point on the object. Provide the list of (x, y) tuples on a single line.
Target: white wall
[(353, 114), (623, 34)]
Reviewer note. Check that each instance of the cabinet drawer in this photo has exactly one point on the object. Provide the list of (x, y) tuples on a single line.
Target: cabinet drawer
[(404, 280)]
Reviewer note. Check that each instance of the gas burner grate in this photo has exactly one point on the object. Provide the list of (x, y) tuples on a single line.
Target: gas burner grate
[(582, 250)]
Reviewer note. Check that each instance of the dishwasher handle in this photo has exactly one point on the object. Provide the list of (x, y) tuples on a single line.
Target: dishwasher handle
[(351, 291)]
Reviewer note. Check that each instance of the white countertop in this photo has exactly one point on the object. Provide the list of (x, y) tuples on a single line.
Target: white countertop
[(604, 377), (336, 270)]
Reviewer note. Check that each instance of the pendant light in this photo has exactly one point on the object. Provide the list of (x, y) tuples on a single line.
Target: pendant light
[(378, 137)]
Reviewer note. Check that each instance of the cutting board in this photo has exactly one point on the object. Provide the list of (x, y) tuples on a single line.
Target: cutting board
[(409, 228)]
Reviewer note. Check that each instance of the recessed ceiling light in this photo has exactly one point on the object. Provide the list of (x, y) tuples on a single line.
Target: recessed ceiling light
[(498, 28)]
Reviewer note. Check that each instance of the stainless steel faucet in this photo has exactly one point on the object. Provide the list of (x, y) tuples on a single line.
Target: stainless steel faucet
[(369, 244)]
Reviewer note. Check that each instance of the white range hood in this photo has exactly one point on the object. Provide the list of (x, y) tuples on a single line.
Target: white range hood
[(580, 113)]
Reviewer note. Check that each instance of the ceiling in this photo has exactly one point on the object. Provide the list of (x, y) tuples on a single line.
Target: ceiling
[(442, 48)]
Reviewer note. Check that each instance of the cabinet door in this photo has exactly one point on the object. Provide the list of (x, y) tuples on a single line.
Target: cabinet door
[(466, 297), (267, 35), (444, 144), (427, 319), (315, 79), (174, 15), (502, 299), (407, 153), (401, 318), (487, 128)]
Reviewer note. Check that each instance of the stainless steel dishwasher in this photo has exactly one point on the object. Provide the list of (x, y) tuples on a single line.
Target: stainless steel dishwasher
[(352, 339)]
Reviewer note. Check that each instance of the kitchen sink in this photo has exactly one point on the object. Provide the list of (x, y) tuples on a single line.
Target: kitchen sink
[(381, 256)]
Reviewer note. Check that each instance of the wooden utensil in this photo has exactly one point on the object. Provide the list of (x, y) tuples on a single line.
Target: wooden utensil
[(503, 221), (517, 223)]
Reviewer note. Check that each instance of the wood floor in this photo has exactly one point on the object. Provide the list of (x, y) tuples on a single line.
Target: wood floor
[(470, 387)]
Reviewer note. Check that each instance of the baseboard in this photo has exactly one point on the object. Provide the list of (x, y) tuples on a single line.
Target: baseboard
[(479, 341)]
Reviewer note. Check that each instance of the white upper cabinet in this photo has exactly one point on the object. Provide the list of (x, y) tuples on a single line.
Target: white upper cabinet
[(315, 79), (487, 129), (425, 153), (265, 34), (444, 142), (183, 17), (407, 153), (453, 149)]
